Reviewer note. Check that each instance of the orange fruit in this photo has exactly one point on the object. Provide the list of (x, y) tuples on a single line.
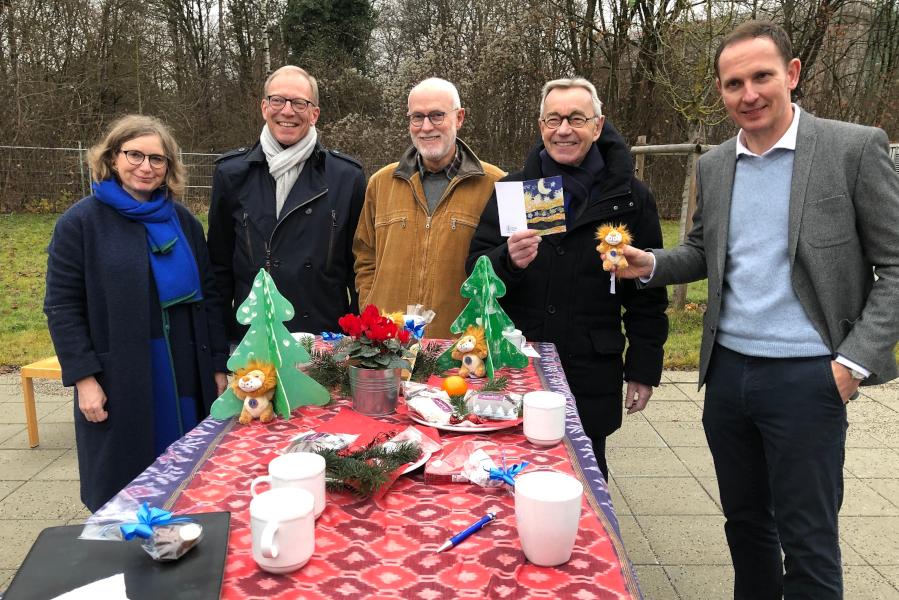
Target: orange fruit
[(455, 385)]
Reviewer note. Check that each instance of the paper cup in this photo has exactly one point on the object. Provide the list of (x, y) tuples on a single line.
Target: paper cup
[(547, 513), (544, 418)]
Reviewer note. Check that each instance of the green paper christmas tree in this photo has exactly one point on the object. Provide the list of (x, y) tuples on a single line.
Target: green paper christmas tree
[(265, 310), (483, 287)]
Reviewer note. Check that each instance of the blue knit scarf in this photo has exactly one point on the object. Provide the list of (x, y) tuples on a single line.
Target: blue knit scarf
[(171, 259)]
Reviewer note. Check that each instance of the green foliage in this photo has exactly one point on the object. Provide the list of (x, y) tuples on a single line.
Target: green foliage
[(329, 372), (426, 363), (366, 470), (496, 385), (328, 33), (23, 254)]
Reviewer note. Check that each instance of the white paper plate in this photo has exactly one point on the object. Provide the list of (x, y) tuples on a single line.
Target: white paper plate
[(492, 426), (424, 458)]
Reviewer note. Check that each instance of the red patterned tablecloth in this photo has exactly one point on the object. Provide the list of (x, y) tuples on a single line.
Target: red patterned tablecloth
[(385, 548)]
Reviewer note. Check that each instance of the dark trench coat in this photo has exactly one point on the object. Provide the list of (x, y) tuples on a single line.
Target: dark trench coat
[(98, 304)]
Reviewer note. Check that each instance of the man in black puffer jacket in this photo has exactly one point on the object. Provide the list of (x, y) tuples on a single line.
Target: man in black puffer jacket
[(557, 290)]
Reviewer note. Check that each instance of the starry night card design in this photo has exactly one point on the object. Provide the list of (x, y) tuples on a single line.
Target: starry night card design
[(534, 204)]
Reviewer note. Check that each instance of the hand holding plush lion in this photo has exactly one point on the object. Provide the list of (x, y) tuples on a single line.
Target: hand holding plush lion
[(611, 238), (255, 385), (471, 349)]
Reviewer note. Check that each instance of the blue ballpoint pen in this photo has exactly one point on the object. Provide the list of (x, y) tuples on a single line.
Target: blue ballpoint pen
[(457, 539)]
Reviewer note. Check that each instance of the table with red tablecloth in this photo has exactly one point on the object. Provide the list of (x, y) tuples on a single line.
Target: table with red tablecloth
[(385, 547)]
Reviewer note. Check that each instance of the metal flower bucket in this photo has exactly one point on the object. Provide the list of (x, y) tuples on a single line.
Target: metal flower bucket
[(374, 391)]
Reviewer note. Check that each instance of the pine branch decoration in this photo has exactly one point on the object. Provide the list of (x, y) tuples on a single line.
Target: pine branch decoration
[(366, 470)]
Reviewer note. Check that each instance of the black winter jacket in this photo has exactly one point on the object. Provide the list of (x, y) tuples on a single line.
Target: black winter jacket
[(564, 295), (308, 251)]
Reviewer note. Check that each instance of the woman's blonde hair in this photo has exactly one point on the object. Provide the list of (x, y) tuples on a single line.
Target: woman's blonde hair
[(102, 156)]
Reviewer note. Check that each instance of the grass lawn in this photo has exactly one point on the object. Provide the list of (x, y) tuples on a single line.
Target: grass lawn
[(23, 327)]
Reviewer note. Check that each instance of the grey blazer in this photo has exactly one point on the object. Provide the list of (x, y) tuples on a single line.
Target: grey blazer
[(843, 229)]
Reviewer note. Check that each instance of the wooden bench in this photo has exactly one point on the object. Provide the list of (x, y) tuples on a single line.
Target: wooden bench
[(47, 368)]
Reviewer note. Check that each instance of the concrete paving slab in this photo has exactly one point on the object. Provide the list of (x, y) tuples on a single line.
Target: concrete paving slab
[(618, 501), (871, 412), (638, 549), (64, 468), (888, 488), (52, 435), (672, 411), (710, 485), (635, 434), (848, 554), (873, 462), (6, 576), (668, 392), (16, 414), (891, 574), (876, 539), (17, 537), (680, 496), (860, 499), (689, 389), (889, 393), (63, 414), (25, 464), (702, 582), (686, 540), (681, 433), (43, 500), (866, 582), (856, 437), (644, 462), (8, 487), (8, 430), (697, 459), (654, 583), (680, 376)]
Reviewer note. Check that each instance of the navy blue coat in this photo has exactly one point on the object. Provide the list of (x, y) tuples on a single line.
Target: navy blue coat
[(98, 302), (308, 251)]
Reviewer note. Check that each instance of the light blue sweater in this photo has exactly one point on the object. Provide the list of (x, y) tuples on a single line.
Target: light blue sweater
[(760, 313)]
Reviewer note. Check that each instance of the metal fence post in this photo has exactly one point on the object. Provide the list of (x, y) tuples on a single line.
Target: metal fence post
[(81, 169)]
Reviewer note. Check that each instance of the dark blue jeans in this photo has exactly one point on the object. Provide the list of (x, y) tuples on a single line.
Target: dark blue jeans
[(777, 432)]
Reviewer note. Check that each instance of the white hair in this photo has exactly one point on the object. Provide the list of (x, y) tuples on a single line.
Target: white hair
[(435, 83), (575, 82)]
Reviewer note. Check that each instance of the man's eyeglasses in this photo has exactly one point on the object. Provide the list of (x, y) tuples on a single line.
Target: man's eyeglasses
[(435, 117), (136, 158), (576, 121), (298, 104)]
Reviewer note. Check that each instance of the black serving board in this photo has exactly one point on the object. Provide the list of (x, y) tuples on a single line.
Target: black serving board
[(59, 562)]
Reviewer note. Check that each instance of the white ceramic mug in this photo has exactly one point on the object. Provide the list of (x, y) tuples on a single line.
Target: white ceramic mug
[(544, 418), (547, 513), (303, 470), (283, 529)]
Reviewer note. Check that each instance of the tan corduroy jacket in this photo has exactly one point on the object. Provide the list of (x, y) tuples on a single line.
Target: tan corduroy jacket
[(406, 256)]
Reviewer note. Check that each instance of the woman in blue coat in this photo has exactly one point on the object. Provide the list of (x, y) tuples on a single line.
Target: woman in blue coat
[(133, 309)]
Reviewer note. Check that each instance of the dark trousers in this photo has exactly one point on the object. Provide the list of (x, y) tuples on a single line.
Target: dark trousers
[(777, 432)]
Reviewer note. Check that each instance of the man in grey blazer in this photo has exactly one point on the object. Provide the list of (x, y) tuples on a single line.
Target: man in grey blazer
[(795, 217)]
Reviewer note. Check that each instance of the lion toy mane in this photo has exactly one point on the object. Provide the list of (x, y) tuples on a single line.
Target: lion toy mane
[(471, 349), (611, 238), (255, 385)]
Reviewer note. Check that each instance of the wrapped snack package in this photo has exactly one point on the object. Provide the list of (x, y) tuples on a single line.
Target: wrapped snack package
[(464, 462), (163, 536), (427, 444), (431, 405), (498, 406), (311, 441)]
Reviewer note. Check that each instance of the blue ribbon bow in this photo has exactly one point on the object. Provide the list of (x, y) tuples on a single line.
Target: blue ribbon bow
[(331, 337), (147, 519), (507, 474), (417, 331)]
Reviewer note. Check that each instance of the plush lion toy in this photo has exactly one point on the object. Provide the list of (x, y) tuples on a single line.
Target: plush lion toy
[(611, 237), (255, 385), (471, 349)]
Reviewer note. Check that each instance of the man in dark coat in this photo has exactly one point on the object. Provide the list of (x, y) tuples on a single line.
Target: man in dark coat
[(557, 290), (290, 206)]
